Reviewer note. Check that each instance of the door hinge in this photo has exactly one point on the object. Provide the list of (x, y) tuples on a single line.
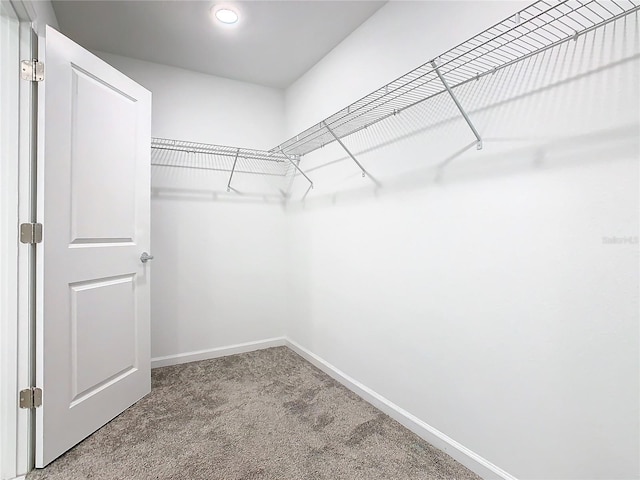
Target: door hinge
[(32, 70), (30, 397), (31, 233)]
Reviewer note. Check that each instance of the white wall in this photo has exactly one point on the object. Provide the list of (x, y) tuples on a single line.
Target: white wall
[(202, 108), (481, 295), (217, 274)]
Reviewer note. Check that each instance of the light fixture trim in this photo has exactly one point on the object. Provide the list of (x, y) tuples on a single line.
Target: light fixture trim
[(226, 15)]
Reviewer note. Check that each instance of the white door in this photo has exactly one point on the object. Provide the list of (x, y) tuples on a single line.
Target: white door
[(92, 329)]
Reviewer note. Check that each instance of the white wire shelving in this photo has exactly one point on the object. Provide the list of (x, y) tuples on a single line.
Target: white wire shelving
[(234, 160), (263, 162), (541, 26)]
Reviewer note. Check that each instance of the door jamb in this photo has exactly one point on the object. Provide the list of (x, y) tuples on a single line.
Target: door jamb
[(20, 345)]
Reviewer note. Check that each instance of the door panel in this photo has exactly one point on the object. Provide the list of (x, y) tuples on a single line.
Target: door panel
[(93, 357), (103, 342), (101, 211)]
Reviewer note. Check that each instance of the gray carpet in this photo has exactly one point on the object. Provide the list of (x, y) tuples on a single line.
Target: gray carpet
[(261, 415)]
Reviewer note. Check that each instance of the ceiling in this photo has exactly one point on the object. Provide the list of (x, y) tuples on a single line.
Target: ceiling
[(273, 44)]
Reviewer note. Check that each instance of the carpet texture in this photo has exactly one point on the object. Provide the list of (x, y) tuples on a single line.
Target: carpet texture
[(262, 415)]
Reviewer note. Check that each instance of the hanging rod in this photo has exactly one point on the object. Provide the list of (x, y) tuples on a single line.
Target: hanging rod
[(543, 25)]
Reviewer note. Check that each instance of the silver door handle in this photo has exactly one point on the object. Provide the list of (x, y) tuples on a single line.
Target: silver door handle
[(145, 257)]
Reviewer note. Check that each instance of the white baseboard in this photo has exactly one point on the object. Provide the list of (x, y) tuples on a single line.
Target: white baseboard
[(460, 453), (216, 352)]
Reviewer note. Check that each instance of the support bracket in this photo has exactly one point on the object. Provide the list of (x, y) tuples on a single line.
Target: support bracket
[(307, 192), (233, 169), (297, 168), (455, 100), (364, 172)]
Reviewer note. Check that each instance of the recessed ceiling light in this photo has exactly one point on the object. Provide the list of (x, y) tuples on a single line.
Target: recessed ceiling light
[(226, 15)]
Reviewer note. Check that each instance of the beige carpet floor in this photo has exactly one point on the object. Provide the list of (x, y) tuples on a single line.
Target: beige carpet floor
[(256, 416)]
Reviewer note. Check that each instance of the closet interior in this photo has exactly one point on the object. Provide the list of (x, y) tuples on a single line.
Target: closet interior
[(457, 247)]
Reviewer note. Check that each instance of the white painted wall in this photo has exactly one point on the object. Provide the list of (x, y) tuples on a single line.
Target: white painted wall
[(202, 108), (217, 274), (482, 296)]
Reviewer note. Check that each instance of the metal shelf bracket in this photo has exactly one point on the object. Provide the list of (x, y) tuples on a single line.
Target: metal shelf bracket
[(233, 169), (307, 192), (297, 168), (455, 100), (364, 172)]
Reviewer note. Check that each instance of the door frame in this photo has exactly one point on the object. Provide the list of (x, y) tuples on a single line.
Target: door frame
[(17, 439)]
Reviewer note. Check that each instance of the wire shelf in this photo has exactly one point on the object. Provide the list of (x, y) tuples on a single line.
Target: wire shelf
[(539, 27), (201, 156)]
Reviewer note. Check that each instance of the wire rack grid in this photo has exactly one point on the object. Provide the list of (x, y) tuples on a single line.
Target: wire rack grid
[(202, 156), (539, 27)]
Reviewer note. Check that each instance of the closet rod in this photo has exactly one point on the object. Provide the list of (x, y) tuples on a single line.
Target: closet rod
[(213, 169)]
